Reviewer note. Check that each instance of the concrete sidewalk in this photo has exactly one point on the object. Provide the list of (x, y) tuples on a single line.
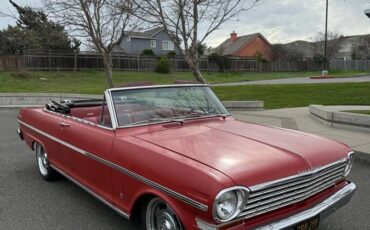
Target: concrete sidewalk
[(298, 80), (300, 119)]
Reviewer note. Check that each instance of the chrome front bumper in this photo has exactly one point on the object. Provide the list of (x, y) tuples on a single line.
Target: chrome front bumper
[(325, 208)]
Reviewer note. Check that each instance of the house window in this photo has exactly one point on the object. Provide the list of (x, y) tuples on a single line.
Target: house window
[(168, 45), (153, 43)]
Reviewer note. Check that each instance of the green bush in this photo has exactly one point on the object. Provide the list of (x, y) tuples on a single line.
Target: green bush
[(148, 52), (163, 65), (171, 54), (222, 62)]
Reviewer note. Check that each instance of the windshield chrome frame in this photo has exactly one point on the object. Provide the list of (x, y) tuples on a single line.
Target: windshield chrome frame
[(113, 114)]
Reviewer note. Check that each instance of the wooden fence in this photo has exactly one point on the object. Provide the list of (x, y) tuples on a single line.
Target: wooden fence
[(11, 62), (361, 65), (71, 62)]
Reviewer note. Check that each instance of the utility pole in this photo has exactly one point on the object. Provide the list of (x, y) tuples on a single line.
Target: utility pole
[(325, 71)]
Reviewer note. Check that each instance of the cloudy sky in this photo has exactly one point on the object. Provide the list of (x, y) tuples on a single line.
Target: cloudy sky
[(280, 21)]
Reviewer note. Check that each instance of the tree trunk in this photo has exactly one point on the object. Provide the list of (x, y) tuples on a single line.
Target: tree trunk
[(194, 66), (198, 75), (108, 66)]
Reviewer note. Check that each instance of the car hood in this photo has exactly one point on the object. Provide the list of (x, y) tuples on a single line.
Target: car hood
[(248, 153)]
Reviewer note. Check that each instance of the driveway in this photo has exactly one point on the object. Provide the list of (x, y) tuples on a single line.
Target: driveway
[(29, 202), (298, 80)]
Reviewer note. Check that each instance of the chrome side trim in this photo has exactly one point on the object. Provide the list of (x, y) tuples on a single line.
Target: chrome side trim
[(324, 209), (286, 179), (127, 216), (77, 119), (168, 191), (53, 138)]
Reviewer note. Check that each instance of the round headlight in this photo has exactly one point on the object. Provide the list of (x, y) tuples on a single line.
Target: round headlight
[(349, 164), (229, 203), (226, 205)]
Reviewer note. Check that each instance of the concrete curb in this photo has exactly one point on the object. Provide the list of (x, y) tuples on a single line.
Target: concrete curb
[(244, 105), (332, 77), (352, 121), (16, 100), (32, 99)]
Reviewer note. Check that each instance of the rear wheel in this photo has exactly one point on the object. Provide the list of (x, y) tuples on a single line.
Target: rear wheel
[(160, 216), (43, 164)]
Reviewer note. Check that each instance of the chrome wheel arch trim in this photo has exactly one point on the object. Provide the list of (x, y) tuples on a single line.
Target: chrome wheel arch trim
[(124, 214), (136, 176)]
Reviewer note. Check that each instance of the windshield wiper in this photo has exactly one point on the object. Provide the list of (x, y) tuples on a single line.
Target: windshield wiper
[(160, 120), (224, 116)]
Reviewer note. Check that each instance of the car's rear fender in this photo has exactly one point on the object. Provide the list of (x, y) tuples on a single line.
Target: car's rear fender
[(31, 140)]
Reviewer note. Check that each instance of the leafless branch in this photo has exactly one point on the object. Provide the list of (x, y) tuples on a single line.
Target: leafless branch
[(183, 18), (101, 23)]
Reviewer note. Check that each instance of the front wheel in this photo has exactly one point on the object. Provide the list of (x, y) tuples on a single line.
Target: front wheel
[(160, 216), (43, 164)]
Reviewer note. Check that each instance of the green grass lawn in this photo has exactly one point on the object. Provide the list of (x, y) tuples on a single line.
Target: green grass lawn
[(274, 96), (366, 112), (351, 73), (285, 96), (95, 82)]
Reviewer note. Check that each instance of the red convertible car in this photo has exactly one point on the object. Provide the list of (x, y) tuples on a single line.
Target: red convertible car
[(173, 157)]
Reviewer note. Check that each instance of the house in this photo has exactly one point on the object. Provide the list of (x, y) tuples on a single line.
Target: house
[(246, 46), (297, 50), (343, 47), (156, 39), (354, 47)]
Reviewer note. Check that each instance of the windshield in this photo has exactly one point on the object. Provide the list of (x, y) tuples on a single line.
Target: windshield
[(165, 104)]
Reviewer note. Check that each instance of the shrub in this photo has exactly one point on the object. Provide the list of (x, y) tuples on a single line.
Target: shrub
[(171, 54), (222, 62), (148, 52), (163, 65)]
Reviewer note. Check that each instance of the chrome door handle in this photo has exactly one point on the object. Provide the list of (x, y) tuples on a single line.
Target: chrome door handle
[(64, 124)]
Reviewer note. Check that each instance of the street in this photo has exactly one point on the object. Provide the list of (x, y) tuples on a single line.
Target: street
[(29, 202)]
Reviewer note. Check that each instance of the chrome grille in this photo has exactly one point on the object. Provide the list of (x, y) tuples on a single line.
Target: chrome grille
[(271, 196)]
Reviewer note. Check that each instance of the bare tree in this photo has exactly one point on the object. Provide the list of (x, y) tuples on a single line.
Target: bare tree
[(190, 22), (333, 44), (102, 23), (7, 14)]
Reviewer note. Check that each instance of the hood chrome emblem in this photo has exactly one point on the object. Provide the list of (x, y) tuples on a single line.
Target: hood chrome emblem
[(310, 170)]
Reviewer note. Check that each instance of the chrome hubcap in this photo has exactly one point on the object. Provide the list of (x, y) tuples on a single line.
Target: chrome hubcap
[(165, 221), (160, 216), (42, 160)]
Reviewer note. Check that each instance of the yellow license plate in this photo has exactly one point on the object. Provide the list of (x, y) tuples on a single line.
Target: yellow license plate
[(310, 224)]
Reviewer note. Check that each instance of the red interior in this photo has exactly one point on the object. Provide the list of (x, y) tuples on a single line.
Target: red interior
[(126, 113), (91, 114)]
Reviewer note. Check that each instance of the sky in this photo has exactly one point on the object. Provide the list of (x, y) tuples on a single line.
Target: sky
[(280, 21)]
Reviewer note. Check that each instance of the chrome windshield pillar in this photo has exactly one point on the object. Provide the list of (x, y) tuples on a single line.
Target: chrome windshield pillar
[(112, 111)]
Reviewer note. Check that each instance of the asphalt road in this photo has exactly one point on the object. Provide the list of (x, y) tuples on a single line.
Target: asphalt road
[(29, 202)]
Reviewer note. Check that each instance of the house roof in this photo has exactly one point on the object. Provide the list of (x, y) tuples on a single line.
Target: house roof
[(229, 48), (307, 49), (147, 33)]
